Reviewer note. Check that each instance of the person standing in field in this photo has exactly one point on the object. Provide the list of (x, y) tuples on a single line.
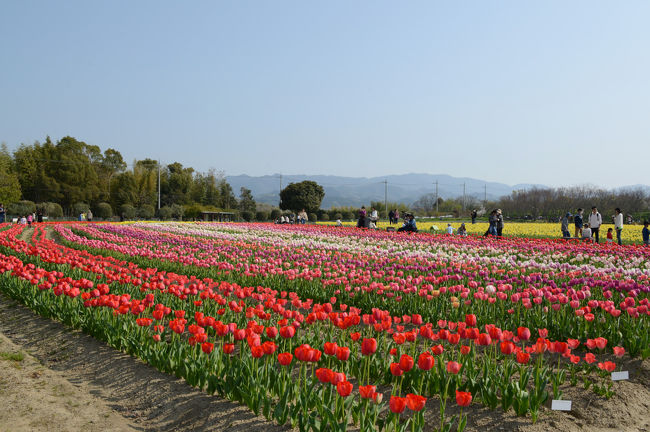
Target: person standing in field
[(645, 233), (474, 214), (396, 216), (361, 223), (2, 213), (577, 221), (462, 230), (595, 221), (618, 225), (391, 215), (499, 223), (492, 220), (89, 216), (565, 226), (302, 217), (450, 229)]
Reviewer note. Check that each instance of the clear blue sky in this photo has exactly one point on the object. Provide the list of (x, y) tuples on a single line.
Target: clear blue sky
[(552, 92)]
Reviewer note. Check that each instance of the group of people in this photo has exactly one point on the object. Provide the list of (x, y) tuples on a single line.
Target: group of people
[(366, 220), (589, 229), (393, 216), (88, 216), (495, 221), (300, 218), (29, 218)]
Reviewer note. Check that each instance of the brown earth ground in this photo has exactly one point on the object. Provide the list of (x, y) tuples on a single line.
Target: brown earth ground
[(53, 378)]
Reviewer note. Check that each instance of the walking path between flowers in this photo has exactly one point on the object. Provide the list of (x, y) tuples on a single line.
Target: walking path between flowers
[(55, 378)]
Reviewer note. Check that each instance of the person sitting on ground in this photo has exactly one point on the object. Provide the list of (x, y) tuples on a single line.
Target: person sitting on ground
[(586, 233), (450, 229), (339, 223), (462, 230), (409, 224), (23, 220), (610, 235), (645, 233)]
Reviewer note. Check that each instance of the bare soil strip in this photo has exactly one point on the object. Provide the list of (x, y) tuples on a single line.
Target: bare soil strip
[(75, 373)]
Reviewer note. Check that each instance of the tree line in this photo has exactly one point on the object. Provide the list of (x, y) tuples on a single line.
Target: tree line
[(71, 176), (544, 203)]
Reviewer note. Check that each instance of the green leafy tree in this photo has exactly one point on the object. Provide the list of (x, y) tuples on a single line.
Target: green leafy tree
[(9, 184), (227, 198), (123, 189), (306, 195), (246, 201)]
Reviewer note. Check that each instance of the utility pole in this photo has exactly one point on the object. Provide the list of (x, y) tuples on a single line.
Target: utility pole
[(158, 184), (485, 195), (386, 197), (436, 197), (280, 194)]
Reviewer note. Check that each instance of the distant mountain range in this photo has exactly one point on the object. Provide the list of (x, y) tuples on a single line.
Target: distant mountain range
[(355, 191)]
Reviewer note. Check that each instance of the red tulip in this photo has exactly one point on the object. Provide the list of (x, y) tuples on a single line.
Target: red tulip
[(415, 402), (463, 398), (507, 347), (523, 333), (285, 358), (324, 375), (465, 349), (406, 362), (397, 404), (257, 351), (271, 332), (453, 338), (367, 392), (344, 388), (453, 367), (607, 366), (470, 320), (330, 348), (619, 351), (207, 347), (228, 348), (343, 353), (426, 361), (484, 339), (368, 346), (287, 332), (523, 357), (396, 370), (437, 350), (590, 358)]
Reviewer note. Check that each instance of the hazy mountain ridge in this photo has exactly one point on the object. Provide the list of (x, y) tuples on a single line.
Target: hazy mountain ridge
[(404, 188)]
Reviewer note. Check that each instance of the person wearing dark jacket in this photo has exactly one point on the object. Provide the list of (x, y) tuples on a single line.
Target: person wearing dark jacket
[(578, 222)]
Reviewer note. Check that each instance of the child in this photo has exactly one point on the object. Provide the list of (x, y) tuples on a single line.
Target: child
[(29, 220), (586, 233), (645, 232), (610, 235)]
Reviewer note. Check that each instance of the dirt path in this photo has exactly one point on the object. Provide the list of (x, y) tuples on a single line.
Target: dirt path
[(35, 398), (74, 372)]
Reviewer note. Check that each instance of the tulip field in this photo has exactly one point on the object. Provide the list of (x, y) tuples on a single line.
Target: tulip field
[(325, 328)]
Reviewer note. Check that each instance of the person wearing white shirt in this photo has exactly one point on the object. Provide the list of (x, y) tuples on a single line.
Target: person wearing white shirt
[(586, 233), (618, 225), (450, 229), (595, 221)]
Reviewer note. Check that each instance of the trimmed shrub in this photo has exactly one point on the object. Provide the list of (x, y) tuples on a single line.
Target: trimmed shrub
[(324, 217), (261, 216), (104, 210), (246, 215), (21, 208), (79, 207), (275, 214), (127, 211), (312, 217), (165, 213), (146, 211)]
